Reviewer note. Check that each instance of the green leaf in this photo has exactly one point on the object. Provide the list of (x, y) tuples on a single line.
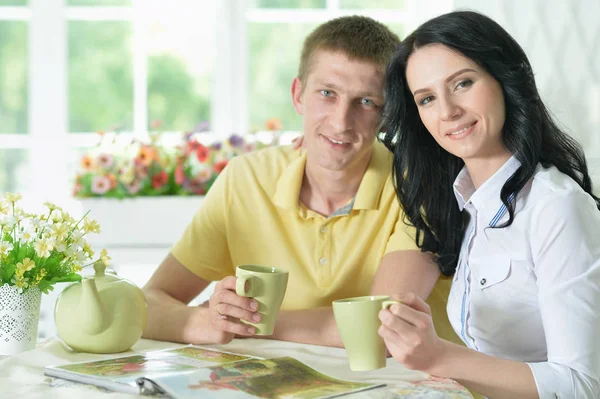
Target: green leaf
[(67, 278)]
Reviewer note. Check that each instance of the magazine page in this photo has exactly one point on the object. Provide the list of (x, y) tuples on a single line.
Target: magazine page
[(267, 378), (121, 373)]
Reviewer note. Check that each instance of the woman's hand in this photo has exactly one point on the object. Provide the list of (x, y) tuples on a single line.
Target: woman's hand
[(298, 142), (409, 335)]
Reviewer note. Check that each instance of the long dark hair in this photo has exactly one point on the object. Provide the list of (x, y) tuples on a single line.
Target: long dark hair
[(424, 172)]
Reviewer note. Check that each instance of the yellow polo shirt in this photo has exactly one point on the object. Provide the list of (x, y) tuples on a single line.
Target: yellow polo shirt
[(252, 215)]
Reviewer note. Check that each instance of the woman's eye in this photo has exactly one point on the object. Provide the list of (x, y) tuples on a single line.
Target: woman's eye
[(326, 93), (464, 83), (426, 100)]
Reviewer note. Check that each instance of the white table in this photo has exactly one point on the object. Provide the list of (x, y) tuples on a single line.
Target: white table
[(21, 376)]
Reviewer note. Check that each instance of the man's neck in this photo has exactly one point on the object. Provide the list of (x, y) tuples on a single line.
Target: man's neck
[(325, 191)]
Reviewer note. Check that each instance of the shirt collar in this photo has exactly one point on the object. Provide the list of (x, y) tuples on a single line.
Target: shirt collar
[(486, 198), (368, 194)]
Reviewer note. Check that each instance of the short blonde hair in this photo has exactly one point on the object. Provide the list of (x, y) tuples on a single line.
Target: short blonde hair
[(358, 37)]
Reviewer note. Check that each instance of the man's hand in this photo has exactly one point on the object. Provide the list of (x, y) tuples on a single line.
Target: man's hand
[(226, 309), (409, 335)]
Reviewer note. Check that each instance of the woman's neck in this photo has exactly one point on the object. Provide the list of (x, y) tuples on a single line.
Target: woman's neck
[(481, 169)]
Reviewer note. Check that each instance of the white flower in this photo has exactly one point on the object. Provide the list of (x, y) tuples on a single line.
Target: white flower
[(71, 250), (61, 247), (104, 258), (8, 221), (12, 197), (60, 230), (4, 208), (91, 226), (28, 234), (81, 257), (43, 247), (76, 235), (57, 217), (5, 248)]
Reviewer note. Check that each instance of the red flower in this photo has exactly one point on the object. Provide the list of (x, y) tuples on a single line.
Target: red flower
[(179, 175), (219, 166), (160, 179), (202, 153)]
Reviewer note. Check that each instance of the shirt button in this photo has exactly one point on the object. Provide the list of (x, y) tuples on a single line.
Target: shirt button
[(483, 281), (323, 229), (322, 261)]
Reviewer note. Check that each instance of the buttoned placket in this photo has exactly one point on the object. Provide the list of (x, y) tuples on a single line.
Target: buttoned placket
[(323, 231), (466, 300)]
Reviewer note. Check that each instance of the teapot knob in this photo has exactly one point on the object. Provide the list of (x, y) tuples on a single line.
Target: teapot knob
[(99, 267)]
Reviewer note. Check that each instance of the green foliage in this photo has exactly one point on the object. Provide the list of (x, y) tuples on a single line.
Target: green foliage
[(100, 75), (13, 77), (274, 60), (174, 97)]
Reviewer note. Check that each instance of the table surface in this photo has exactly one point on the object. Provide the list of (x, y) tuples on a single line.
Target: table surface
[(22, 375)]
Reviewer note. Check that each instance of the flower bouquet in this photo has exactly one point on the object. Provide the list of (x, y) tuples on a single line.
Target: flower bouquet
[(36, 252), (198, 165), (118, 171), (42, 250)]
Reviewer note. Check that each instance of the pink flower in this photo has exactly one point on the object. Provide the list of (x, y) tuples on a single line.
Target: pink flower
[(101, 185), (203, 176), (179, 175), (133, 187), (105, 161)]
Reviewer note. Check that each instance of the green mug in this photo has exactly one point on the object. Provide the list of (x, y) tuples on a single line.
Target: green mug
[(358, 322), (267, 286)]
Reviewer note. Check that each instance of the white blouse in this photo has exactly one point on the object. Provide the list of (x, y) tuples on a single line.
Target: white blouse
[(530, 292)]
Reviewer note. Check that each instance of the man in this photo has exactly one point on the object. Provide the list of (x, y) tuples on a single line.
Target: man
[(327, 213)]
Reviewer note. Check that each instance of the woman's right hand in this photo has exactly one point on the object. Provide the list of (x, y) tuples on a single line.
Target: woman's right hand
[(409, 335)]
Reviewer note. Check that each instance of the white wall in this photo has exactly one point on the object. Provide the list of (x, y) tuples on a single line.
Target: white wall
[(562, 41)]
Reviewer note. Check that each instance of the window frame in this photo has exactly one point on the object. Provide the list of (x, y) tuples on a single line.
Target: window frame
[(48, 73)]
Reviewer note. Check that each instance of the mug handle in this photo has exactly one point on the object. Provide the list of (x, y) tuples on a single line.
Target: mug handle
[(387, 304), (240, 285)]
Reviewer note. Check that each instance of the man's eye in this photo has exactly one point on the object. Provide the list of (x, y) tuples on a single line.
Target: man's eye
[(464, 83), (326, 93), (426, 100), (366, 101)]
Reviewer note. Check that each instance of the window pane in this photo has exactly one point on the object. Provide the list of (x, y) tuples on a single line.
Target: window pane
[(100, 76), (287, 3), (377, 4), (274, 55), (13, 2), (13, 170), (13, 77), (180, 63), (98, 2)]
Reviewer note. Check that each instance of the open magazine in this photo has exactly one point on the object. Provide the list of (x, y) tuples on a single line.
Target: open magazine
[(283, 377), (121, 373), (192, 372)]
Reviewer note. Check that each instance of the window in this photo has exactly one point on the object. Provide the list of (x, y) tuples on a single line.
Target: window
[(133, 66)]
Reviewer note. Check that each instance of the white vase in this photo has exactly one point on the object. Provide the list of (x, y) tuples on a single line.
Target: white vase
[(19, 317)]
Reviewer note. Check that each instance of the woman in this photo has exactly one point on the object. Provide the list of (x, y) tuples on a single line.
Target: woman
[(504, 198)]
